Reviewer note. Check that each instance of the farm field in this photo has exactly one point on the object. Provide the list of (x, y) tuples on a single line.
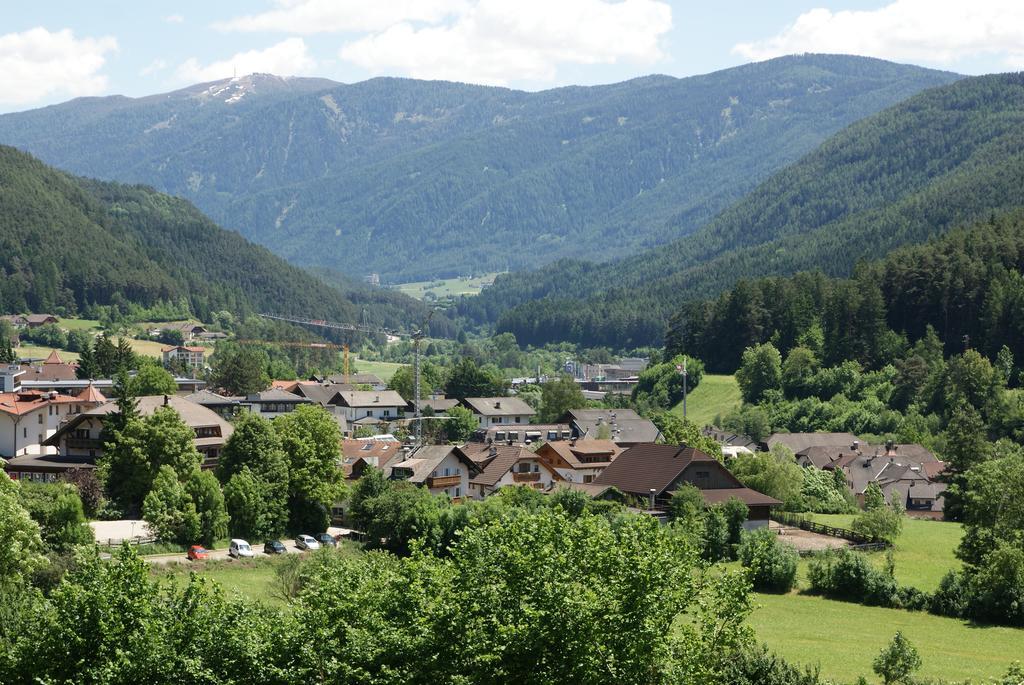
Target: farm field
[(716, 394), (447, 287), (383, 370), (844, 638), (925, 551)]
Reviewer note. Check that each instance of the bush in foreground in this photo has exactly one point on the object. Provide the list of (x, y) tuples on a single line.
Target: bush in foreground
[(772, 564)]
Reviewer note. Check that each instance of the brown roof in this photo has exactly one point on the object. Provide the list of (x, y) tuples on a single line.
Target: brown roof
[(19, 403), (49, 371), (646, 466), (91, 394), (194, 415), (40, 318), (423, 460), (53, 358), (583, 448), (505, 458), (183, 347), (592, 490)]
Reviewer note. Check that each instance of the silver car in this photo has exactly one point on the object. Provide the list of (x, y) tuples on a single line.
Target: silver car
[(306, 542)]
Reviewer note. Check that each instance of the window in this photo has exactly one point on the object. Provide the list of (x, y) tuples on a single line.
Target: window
[(588, 479), (517, 419), (24, 432), (552, 435), (702, 475), (513, 435), (500, 435), (458, 492), (40, 415), (49, 409)]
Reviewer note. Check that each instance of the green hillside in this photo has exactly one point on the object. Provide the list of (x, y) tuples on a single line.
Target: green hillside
[(66, 243), (941, 159), (418, 180)]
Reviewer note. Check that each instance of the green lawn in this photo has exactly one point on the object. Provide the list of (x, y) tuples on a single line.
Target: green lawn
[(446, 287), (383, 370), (80, 325), (250, 579), (715, 395), (925, 551), (844, 638)]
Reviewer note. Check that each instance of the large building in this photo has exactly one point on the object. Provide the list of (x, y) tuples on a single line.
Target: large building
[(80, 436)]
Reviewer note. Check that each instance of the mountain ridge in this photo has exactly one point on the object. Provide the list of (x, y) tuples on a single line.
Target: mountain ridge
[(460, 179), (945, 157)]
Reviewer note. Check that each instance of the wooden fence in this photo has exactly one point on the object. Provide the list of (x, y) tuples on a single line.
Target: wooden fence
[(861, 541)]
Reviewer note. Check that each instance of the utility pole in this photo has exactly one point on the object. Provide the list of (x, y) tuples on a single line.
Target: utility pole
[(417, 337), (682, 370)]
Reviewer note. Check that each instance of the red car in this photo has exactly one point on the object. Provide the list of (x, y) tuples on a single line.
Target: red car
[(197, 552)]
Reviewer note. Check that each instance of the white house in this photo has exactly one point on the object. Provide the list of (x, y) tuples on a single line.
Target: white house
[(512, 465), (187, 356), (28, 418), (442, 469), (385, 405), (496, 411)]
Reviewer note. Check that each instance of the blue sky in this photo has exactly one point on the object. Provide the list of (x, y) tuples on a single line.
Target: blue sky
[(52, 51)]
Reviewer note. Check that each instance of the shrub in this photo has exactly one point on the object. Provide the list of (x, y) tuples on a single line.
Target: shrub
[(772, 564), (850, 576), (881, 523), (951, 597)]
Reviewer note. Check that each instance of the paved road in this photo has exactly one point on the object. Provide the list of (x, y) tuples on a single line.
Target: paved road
[(177, 557)]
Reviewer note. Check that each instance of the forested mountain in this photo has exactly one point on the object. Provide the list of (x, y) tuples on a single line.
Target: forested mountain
[(66, 243), (943, 158), (416, 179), (966, 285)]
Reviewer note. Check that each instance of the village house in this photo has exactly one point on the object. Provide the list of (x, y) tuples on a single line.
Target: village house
[(358, 454), (495, 411), (370, 407), (799, 442), (652, 474), (442, 469), (80, 435), (578, 461), (28, 420), (225, 407), (505, 465), (622, 426), (187, 357), (272, 403), (189, 330), (523, 434), (37, 320)]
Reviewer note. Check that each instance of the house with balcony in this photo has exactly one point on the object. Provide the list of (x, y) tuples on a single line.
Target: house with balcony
[(370, 407), (28, 419), (442, 469), (272, 403), (505, 466), (81, 435), (497, 411), (579, 461)]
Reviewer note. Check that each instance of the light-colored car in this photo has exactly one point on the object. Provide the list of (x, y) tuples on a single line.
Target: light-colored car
[(306, 542), (240, 548)]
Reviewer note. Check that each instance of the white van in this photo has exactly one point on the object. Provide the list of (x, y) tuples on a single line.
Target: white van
[(240, 548)]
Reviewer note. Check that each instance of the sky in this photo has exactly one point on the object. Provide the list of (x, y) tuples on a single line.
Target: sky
[(52, 51)]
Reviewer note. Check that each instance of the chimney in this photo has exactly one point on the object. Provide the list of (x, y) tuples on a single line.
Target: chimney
[(652, 497), (492, 451), (497, 405)]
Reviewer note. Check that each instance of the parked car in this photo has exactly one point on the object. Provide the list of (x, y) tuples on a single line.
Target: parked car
[(274, 547), (240, 548), (306, 542), (326, 540), (197, 552)]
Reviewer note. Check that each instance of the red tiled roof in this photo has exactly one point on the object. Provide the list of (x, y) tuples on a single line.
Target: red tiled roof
[(53, 358), (91, 394), (19, 403)]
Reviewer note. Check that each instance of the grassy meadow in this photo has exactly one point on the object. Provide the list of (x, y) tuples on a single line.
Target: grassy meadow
[(445, 288), (716, 394)]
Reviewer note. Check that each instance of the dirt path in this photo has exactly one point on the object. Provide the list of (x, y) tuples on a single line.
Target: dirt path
[(805, 540)]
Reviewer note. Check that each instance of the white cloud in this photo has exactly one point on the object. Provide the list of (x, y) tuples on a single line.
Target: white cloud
[(287, 58), (337, 16), (174, 19), (153, 67), (928, 31), (497, 42), (37, 63)]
